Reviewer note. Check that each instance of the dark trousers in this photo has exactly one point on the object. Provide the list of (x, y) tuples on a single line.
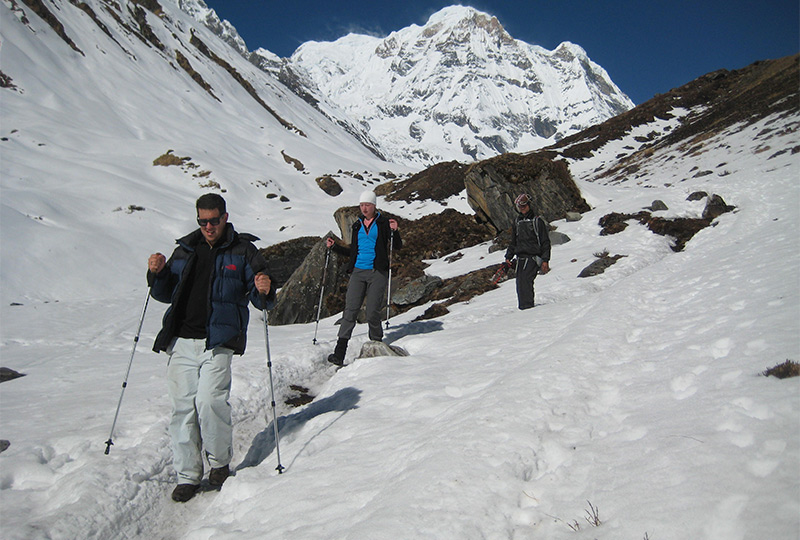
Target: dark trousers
[(527, 270), (372, 285)]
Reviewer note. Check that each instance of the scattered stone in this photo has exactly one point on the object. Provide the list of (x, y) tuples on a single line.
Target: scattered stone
[(301, 396), (697, 196), (8, 374), (558, 238), (329, 185), (658, 205), (715, 207), (4, 444), (373, 349), (600, 265)]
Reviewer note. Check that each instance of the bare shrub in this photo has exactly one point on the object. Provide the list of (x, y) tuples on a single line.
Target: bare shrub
[(784, 370)]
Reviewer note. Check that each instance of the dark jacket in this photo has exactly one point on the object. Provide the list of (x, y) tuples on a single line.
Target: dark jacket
[(237, 261), (381, 245), (529, 238)]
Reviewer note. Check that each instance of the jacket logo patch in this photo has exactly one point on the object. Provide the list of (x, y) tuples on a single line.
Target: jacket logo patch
[(231, 267)]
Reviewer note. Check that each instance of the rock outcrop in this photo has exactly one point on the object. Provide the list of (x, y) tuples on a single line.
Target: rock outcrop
[(492, 186)]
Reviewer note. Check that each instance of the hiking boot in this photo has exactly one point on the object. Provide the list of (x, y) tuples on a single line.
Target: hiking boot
[(184, 492), (218, 476), (337, 358)]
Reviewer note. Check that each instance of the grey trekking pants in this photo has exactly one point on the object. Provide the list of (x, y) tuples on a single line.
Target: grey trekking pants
[(527, 270), (372, 285)]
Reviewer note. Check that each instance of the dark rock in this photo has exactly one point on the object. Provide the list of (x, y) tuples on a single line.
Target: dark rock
[(300, 396), (329, 185), (493, 184), (284, 258), (715, 207), (416, 290), (697, 196), (658, 205), (436, 310), (8, 374), (437, 183), (600, 265), (298, 298), (558, 238)]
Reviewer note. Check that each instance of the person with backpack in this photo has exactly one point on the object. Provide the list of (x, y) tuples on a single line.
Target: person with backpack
[(371, 237), (530, 243), (208, 281)]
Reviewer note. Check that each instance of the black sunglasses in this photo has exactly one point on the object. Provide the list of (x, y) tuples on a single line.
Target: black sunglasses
[(214, 221)]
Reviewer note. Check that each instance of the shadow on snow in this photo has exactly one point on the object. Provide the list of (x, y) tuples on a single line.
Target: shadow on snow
[(263, 444)]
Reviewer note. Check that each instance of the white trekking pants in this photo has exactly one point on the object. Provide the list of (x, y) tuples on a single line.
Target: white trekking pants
[(199, 383)]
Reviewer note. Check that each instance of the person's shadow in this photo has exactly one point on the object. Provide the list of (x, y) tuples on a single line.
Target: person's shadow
[(413, 328), (263, 444)]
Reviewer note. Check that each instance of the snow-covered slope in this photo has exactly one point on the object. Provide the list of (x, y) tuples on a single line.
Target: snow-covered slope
[(85, 125), (629, 405), (633, 398), (460, 88)]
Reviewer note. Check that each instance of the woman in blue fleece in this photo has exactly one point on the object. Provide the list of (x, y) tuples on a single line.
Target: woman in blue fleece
[(369, 267)]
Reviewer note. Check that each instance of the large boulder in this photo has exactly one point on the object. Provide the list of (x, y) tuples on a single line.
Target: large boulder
[(284, 258), (426, 238), (345, 217), (298, 299), (493, 184)]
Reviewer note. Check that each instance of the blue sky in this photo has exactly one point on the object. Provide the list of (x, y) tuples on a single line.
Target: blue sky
[(647, 46)]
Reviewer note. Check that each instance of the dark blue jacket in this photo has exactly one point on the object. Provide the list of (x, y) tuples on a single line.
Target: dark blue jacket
[(232, 286)]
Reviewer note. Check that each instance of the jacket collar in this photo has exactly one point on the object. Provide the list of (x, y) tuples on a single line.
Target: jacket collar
[(191, 240)]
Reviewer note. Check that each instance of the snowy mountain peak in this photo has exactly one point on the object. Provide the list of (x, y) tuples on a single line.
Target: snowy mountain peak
[(460, 88), (458, 22)]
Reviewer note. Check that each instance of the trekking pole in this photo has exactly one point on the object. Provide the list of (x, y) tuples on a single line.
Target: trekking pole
[(110, 441), (389, 287), (280, 467), (321, 292)]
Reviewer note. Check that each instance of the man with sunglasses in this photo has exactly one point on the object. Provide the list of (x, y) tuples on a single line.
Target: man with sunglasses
[(530, 242), (208, 281)]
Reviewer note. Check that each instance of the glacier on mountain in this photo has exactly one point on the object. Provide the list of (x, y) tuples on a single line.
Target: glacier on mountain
[(458, 88)]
